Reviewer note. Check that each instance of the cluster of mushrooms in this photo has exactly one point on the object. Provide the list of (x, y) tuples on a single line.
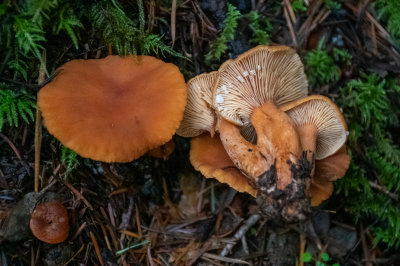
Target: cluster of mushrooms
[(252, 124), (254, 127)]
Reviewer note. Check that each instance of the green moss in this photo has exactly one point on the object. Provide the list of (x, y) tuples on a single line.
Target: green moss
[(332, 4), (125, 34), (298, 5), (260, 26), (69, 158), (375, 157), (389, 10), (219, 46), (320, 66), (28, 27)]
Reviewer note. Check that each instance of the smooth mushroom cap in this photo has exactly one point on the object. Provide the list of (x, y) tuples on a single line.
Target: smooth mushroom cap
[(207, 155), (114, 109), (199, 117), (262, 74), (321, 112), (326, 171), (333, 167), (49, 222), (320, 190)]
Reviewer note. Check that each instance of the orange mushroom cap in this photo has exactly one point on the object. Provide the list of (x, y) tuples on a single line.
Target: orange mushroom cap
[(207, 155), (49, 222), (327, 170), (114, 109)]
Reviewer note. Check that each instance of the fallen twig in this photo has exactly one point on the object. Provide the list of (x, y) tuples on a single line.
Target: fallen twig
[(76, 254), (365, 246), (302, 247), (392, 195), (290, 11), (149, 257), (38, 127), (103, 229), (240, 233), (173, 22), (129, 233), (290, 26), (79, 196), (24, 164), (12, 146), (96, 248), (139, 227), (127, 216), (222, 258), (80, 229)]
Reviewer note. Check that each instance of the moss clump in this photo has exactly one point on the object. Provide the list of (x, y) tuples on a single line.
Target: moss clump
[(375, 156)]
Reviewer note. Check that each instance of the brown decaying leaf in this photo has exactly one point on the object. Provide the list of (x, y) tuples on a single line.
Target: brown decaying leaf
[(173, 22)]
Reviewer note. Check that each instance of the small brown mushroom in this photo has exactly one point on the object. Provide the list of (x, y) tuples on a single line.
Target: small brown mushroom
[(49, 222), (114, 109)]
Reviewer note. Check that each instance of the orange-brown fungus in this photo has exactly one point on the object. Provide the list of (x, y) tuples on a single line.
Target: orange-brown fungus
[(163, 151), (207, 155), (320, 190), (277, 136), (114, 109), (49, 222), (327, 170), (277, 145)]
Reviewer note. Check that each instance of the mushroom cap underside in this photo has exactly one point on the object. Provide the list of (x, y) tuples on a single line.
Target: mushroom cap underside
[(199, 116), (264, 73), (321, 112)]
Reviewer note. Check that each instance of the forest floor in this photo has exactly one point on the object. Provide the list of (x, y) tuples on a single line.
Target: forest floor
[(163, 212)]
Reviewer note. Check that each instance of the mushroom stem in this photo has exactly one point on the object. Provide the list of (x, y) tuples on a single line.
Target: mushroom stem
[(277, 151), (244, 155), (277, 137), (308, 139)]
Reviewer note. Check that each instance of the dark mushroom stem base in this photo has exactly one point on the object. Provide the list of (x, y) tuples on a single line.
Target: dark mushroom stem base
[(291, 204)]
